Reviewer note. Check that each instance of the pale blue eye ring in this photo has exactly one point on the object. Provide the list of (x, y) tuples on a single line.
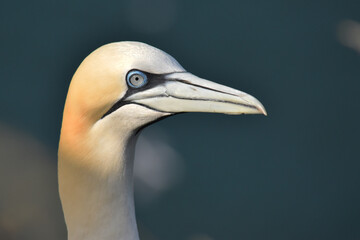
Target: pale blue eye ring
[(136, 79)]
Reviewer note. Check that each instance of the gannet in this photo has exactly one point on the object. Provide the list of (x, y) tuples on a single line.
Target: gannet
[(116, 91)]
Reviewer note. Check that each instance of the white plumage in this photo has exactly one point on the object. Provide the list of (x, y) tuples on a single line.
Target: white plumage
[(117, 90)]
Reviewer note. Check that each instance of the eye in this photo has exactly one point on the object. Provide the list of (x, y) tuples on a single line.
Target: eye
[(136, 79)]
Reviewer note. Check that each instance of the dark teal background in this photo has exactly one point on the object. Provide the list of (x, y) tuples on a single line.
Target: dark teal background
[(291, 175)]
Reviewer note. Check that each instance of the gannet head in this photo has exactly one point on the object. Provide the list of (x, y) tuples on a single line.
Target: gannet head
[(117, 90), (133, 84)]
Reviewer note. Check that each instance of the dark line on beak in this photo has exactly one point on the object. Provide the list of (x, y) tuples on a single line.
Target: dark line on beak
[(207, 88), (121, 103), (158, 79), (214, 100)]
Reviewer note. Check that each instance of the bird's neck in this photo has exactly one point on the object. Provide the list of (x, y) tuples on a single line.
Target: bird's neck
[(96, 185)]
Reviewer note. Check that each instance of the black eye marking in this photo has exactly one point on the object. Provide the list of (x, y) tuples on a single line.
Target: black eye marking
[(152, 80)]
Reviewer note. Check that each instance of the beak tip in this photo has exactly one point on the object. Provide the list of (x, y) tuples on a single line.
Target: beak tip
[(255, 104), (262, 110)]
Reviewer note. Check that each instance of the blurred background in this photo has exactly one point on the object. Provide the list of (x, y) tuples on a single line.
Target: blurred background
[(291, 175)]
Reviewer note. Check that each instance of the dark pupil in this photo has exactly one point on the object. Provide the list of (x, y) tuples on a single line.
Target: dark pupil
[(136, 80)]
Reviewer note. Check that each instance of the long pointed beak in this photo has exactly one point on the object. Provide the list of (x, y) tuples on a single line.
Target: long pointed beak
[(185, 92)]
